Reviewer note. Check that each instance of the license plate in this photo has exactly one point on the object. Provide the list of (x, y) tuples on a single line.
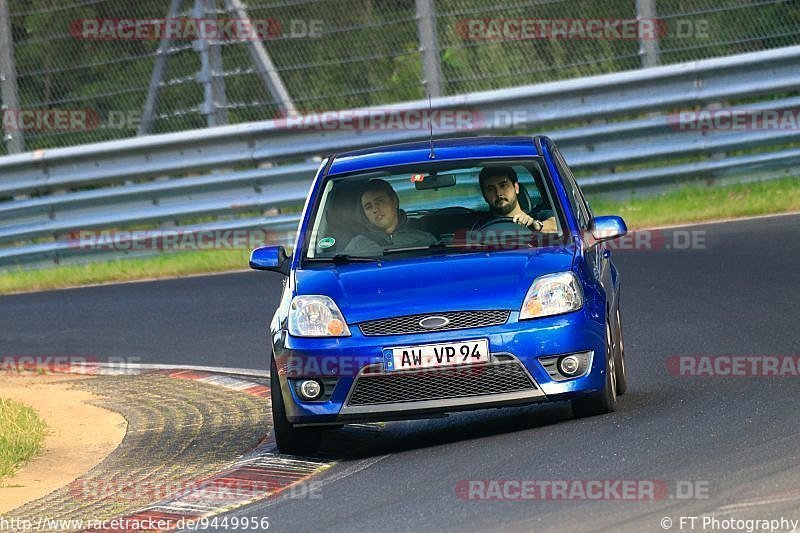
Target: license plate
[(436, 355)]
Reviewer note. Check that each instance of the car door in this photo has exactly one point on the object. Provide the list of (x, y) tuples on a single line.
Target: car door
[(597, 254)]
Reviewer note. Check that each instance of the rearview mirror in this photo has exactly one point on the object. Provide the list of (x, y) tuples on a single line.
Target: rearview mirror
[(433, 181), (608, 228), (271, 258)]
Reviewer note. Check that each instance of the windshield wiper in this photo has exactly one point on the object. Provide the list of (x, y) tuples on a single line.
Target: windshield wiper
[(345, 258), (436, 246)]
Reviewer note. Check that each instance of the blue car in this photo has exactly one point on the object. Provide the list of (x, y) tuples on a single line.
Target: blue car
[(443, 276)]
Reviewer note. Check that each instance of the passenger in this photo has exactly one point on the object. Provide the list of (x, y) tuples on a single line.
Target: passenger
[(500, 188), (387, 224)]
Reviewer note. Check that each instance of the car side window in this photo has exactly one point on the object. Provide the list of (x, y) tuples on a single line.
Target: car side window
[(576, 199), (584, 201)]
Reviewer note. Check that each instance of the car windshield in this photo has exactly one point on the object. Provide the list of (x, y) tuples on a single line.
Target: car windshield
[(433, 209)]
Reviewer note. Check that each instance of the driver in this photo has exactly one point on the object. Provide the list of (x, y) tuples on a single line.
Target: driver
[(500, 188), (387, 224)]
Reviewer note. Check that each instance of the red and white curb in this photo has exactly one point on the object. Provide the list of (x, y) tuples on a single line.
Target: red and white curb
[(258, 475), (247, 387)]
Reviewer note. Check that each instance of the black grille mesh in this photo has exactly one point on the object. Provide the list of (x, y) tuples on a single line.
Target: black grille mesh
[(439, 384), (410, 324)]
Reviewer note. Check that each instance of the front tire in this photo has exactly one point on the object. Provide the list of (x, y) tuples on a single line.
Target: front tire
[(619, 361), (605, 400), (289, 439)]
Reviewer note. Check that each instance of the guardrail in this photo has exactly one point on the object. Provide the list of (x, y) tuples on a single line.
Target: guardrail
[(620, 133)]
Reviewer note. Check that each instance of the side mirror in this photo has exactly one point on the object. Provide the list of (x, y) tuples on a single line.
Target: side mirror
[(271, 258), (608, 228)]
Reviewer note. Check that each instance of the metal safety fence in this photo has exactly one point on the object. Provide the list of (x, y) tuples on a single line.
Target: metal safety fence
[(732, 116), (155, 66)]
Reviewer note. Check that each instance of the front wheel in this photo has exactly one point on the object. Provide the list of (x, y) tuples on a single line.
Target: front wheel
[(619, 355), (605, 400), (289, 439)]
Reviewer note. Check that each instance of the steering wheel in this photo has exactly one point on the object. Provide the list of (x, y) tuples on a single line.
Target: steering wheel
[(508, 222), (454, 210)]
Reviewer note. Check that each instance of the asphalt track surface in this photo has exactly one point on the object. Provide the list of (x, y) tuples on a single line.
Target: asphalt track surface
[(735, 439)]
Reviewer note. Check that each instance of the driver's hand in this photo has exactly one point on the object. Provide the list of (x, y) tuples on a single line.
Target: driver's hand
[(524, 220), (549, 225)]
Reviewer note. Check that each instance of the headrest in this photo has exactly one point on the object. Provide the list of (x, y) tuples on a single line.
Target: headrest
[(524, 198), (345, 204)]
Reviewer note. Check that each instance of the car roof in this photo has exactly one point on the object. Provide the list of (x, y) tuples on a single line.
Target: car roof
[(444, 149)]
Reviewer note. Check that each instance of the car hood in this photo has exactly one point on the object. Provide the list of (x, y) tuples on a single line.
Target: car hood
[(474, 281)]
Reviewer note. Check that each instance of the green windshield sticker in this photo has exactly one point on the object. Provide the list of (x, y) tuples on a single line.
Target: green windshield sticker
[(327, 242)]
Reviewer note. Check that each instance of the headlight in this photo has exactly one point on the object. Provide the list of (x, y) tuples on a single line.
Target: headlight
[(316, 316), (552, 294)]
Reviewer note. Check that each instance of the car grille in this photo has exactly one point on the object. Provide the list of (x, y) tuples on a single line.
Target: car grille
[(410, 324), (454, 382)]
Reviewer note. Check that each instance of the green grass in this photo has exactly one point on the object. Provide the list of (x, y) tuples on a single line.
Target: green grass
[(686, 204), (21, 436), (162, 266), (695, 203)]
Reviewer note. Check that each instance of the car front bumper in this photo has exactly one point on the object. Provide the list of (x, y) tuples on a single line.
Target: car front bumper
[(516, 347)]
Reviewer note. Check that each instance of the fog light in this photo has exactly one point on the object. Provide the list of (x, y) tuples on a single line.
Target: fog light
[(310, 389), (569, 365)]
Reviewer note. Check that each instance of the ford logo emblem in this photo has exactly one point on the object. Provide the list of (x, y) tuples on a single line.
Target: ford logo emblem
[(434, 322)]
